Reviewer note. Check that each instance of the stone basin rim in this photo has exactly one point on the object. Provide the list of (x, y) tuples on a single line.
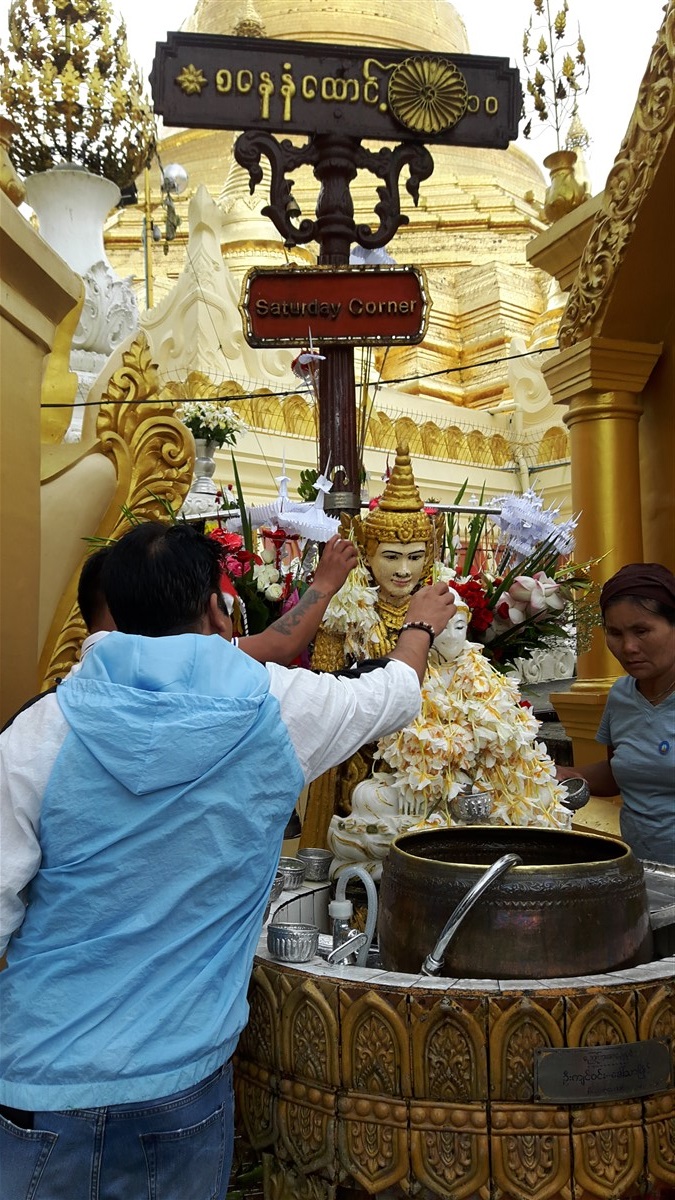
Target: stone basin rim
[(653, 971)]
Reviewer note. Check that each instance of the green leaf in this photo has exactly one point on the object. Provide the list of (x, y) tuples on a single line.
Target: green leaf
[(247, 532), (476, 527)]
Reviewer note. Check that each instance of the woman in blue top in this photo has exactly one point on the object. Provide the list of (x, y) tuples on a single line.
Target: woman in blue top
[(638, 724)]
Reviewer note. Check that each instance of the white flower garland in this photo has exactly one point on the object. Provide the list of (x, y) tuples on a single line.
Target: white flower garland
[(472, 731), (352, 613)]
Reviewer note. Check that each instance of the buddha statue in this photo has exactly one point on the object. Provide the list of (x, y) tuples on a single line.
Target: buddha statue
[(396, 543), (472, 733)]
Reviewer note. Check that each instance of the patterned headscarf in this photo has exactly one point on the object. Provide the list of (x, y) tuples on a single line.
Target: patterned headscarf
[(647, 581)]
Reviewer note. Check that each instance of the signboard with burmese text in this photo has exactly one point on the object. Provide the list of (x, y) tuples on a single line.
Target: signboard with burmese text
[(214, 82), (356, 306), (602, 1074)]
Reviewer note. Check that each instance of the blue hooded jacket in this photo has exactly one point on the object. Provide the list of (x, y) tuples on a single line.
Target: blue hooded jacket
[(161, 827)]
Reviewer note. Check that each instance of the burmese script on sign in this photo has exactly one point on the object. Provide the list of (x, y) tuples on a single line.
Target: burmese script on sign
[(216, 82), (357, 305), (587, 1075)]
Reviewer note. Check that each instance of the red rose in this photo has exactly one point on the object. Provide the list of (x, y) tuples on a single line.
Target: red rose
[(229, 541)]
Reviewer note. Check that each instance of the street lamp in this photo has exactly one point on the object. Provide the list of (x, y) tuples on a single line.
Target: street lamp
[(174, 180)]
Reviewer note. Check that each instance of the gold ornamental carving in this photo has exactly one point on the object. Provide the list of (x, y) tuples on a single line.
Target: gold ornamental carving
[(191, 80), (309, 1033), (307, 1126), (322, 1137), (609, 1144), (628, 184), (657, 1017), (375, 1047), (660, 1134), (373, 1140), (601, 1021), (260, 1038), (153, 455), (10, 183), (257, 1103), (449, 1052), (449, 1149), (531, 1151), (515, 1034), (428, 95)]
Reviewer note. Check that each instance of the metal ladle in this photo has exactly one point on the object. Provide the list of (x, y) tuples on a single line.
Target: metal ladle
[(434, 961)]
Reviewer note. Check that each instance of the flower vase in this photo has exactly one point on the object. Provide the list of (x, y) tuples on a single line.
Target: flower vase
[(565, 192), (71, 205), (205, 467)]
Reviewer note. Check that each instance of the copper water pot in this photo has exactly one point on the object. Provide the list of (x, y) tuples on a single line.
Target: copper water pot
[(577, 905)]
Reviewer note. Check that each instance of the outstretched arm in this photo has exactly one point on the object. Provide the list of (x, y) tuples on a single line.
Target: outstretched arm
[(288, 636), (598, 775)]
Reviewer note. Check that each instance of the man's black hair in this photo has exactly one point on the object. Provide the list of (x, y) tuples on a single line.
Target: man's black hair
[(158, 579), (90, 594)]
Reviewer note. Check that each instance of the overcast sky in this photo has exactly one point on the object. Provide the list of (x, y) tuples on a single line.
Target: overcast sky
[(618, 35)]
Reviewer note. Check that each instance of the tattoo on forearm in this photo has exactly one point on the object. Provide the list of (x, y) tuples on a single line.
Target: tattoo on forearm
[(290, 620)]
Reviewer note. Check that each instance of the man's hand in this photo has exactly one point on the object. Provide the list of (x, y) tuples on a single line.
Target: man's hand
[(338, 559), (432, 604)]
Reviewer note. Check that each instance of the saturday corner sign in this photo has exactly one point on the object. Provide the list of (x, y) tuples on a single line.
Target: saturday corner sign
[(357, 306), (213, 82)]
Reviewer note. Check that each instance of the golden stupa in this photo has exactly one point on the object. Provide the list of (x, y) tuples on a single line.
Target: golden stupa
[(476, 214)]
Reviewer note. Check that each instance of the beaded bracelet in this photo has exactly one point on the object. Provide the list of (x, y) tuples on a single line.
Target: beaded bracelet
[(423, 625)]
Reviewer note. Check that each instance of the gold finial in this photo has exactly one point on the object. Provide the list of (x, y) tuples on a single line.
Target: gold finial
[(400, 493), (578, 137), (71, 89), (250, 23), (400, 515)]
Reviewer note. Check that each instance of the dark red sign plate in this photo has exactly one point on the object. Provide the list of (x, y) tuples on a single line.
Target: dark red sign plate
[(348, 305)]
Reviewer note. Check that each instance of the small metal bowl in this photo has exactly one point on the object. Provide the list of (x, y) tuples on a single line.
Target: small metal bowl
[(578, 793), (317, 863), (277, 889), (277, 886), (292, 943), (471, 806), (293, 871)]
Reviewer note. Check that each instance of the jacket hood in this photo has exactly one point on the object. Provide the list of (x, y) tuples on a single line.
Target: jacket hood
[(161, 712)]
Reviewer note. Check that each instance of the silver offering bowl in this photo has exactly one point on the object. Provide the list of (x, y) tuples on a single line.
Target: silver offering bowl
[(578, 793), (471, 807), (293, 871), (276, 890), (317, 863), (292, 943)]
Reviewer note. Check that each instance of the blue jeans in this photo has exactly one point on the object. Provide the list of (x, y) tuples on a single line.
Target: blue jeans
[(177, 1147)]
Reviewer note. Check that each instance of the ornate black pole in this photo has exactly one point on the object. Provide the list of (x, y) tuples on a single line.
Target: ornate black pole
[(336, 159)]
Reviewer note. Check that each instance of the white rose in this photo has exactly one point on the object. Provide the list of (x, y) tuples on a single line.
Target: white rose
[(273, 592), (268, 556)]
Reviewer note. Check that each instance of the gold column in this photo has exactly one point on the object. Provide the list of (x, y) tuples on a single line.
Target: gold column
[(601, 380), (38, 290)]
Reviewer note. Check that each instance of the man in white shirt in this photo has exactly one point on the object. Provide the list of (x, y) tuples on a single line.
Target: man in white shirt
[(143, 809)]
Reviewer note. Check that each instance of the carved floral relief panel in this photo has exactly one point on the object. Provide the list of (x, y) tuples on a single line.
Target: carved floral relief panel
[(530, 1152), (518, 1027), (449, 1152), (608, 1146), (449, 1048)]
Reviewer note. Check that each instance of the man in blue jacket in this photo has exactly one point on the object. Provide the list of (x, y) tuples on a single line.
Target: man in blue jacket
[(143, 806)]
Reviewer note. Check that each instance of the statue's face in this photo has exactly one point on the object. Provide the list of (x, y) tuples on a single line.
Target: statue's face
[(449, 644), (397, 568)]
